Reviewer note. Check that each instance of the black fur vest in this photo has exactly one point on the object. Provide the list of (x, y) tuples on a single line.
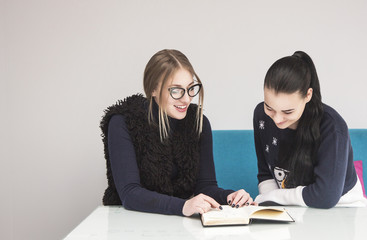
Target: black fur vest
[(156, 160)]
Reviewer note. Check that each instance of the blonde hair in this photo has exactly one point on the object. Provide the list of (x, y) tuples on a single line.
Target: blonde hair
[(160, 68)]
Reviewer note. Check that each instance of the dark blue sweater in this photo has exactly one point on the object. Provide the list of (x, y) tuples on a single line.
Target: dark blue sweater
[(334, 171), (126, 173)]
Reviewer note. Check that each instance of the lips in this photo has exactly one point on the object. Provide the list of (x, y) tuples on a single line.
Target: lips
[(281, 123), (181, 108)]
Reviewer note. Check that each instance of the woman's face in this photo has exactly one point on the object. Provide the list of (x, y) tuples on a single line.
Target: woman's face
[(175, 108), (285, 108)]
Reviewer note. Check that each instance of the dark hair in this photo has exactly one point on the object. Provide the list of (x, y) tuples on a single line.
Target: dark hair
[(297, 73)]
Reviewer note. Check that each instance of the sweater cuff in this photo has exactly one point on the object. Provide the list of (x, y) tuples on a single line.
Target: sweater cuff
[(292, 196), (177, 206), (267, 186)]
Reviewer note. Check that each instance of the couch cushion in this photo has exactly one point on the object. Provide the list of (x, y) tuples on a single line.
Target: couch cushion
[(235, 160), (359, 169), (358, 139)]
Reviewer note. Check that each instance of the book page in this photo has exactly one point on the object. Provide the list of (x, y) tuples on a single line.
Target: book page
[(227, 216), (242, 215), (271, 213)]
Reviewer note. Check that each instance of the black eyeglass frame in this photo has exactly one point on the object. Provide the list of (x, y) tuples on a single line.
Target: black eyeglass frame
[(184, 91)]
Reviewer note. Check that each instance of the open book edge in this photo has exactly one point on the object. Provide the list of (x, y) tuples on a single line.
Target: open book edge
[(242, 216)]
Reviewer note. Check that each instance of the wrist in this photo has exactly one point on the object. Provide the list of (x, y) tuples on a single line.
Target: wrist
[(185, 209)]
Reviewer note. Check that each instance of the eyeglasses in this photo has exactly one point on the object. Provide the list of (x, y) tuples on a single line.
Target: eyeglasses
[(177, 92)]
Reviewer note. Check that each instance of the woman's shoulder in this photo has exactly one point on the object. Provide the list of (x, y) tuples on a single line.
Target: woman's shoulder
[(259, 107), (205, 119), (259, 110), (133, 100), (124, 110), (261, 118), (332, 121), (206, 124), (133, 103)]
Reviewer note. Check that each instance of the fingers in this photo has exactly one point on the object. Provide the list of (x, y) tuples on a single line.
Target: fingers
[(244, 201), (199, 210), (239, 198), (199, 204), (230, 198), (203, 207), (211, 201)]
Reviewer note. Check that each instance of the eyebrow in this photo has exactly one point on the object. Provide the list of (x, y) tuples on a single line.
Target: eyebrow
[(178, 85), (288, 110)]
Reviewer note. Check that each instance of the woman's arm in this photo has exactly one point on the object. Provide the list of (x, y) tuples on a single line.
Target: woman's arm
[(330, 173), (126, 175)]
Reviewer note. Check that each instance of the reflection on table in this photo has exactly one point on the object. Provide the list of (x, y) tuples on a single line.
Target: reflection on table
[(118, 223)]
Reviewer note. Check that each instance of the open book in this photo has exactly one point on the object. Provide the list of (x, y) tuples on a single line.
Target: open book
[(244, 215)]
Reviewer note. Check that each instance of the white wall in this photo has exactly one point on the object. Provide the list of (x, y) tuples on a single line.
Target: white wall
[(5, 163), (63, 62)]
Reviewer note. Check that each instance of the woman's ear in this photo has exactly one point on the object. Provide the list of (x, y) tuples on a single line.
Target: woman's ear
[(309, 94)]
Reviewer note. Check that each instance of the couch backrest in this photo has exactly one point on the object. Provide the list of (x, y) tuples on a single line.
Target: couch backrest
[(236, 162)]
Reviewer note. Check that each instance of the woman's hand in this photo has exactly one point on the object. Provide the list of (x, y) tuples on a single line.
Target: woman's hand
[(240, 198), (199, 204)]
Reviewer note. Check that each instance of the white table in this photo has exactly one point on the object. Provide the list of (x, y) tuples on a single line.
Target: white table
[(311, 224)]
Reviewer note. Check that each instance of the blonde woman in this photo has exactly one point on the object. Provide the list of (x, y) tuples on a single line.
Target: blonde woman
[(158, 148)]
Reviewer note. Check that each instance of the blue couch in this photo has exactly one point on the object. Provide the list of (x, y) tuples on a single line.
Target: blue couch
[(236, 163)]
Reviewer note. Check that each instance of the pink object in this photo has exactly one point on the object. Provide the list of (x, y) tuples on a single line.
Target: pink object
[(359, 169)]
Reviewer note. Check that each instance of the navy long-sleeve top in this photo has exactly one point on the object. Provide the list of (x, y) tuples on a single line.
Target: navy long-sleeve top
[(126, 173), (334, 171)]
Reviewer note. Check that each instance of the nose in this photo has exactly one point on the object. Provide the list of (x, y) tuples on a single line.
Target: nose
[(186, 98), (277, 118)]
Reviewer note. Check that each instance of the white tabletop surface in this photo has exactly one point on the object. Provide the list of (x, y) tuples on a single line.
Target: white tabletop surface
[(311, 224)]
